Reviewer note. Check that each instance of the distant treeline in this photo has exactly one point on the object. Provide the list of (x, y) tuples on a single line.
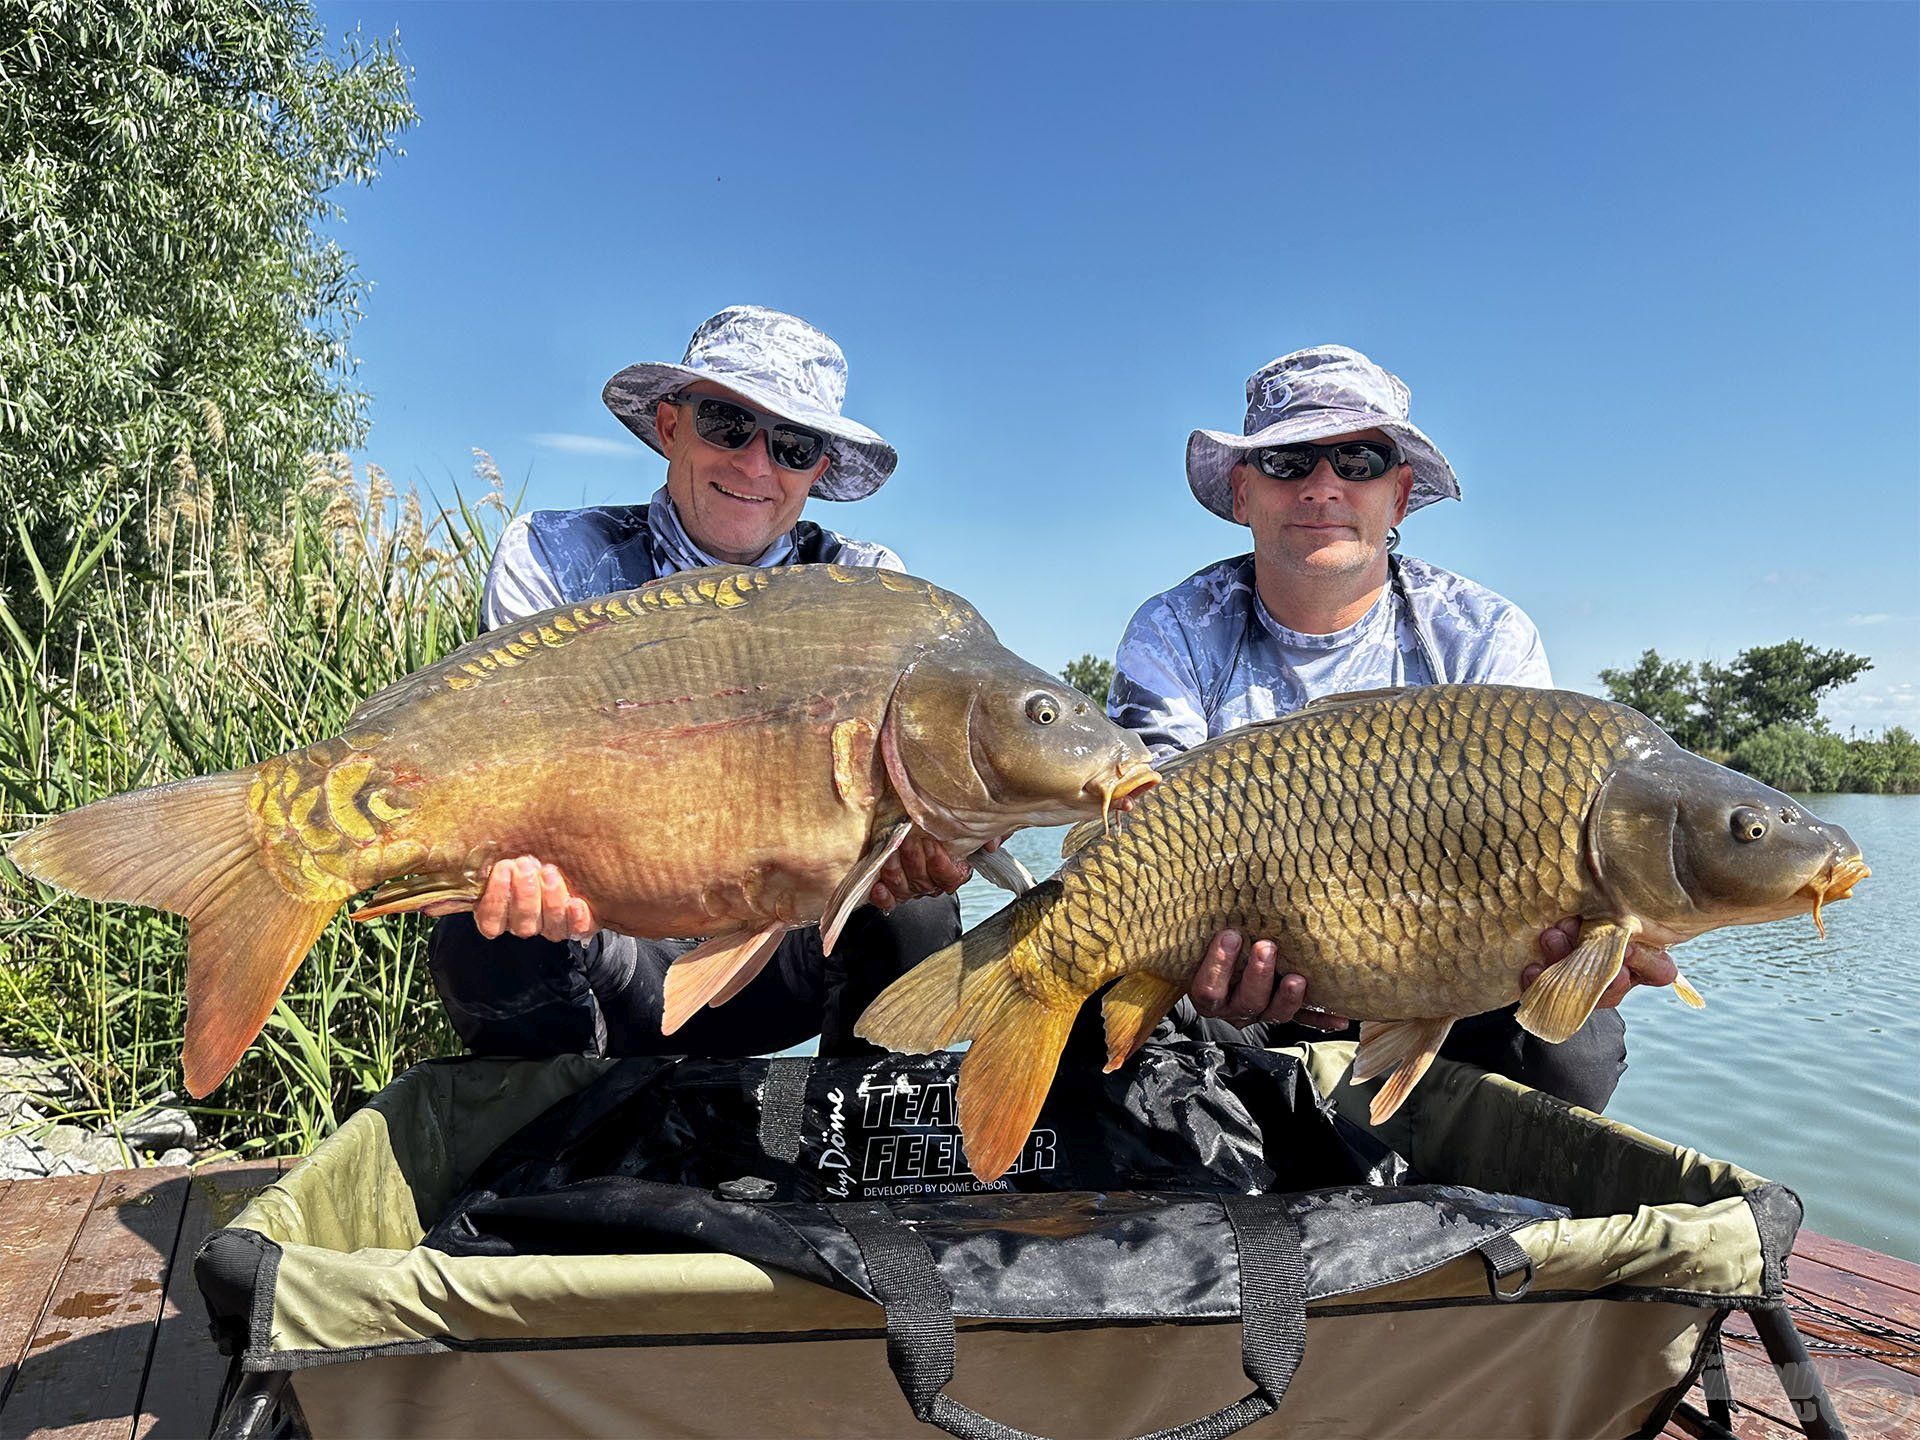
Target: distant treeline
[(1760, 714)]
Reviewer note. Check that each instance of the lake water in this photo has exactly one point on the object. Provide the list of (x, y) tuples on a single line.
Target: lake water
[(1805, 1065)]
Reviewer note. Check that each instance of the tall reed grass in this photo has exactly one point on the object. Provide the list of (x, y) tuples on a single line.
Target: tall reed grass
[(253, 639)]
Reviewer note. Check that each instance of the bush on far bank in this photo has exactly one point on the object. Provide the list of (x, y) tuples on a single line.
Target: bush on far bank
[(1809, 758)]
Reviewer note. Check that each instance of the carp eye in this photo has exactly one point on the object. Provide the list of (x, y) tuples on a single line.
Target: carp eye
[(1748, 824), (1043, 709)]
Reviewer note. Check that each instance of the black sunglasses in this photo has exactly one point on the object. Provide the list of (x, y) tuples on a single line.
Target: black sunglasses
[(732, 426), (1350, 459)]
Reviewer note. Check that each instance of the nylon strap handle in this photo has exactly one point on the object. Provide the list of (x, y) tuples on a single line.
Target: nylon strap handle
[(921, 1338), (1505, 1256)]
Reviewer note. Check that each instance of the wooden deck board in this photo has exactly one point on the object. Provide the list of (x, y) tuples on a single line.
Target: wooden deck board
[(38, 1222), (184, 1381), (85, 1368), (1856, 1259)]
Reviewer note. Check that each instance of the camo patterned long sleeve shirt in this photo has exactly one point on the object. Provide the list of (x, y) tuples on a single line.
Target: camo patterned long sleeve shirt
[(565, 557), (1205, 657)]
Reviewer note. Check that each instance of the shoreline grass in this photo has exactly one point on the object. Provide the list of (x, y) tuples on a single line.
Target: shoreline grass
[(249, 641)]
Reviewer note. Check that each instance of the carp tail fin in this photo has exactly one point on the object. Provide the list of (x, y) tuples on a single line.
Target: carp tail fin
[(190, 848), (972, 991)]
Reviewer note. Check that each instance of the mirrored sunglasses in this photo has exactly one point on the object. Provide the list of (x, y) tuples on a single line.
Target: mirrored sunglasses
[(732, 426), (1350, 459)]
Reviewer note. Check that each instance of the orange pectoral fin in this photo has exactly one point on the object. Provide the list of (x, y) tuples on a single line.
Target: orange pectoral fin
[(853, 890)]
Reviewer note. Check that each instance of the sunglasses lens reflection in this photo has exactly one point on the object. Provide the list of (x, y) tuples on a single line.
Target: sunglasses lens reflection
[(1289, 462), (1361, 460), (794, 448), (1350, 460), (719, 423)]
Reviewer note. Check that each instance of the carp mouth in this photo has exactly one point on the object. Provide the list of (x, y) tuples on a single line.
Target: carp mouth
[(1836, 884), (1129, 778)]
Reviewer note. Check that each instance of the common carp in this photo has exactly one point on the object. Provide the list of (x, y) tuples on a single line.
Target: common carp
[(728, 752), (1404, 849)]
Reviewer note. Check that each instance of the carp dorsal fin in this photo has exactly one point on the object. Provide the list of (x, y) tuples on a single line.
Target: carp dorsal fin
[(1348, 697), (1078, 837)]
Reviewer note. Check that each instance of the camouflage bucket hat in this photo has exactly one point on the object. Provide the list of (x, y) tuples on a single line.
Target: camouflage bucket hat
[(1309, 395), (778, 363)]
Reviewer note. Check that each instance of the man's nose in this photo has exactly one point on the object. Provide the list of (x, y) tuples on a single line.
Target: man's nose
[(752, 458), (1321, 483)]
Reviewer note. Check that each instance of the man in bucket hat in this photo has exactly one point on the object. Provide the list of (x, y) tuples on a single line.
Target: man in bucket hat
[(1325, 469), (749, 422)]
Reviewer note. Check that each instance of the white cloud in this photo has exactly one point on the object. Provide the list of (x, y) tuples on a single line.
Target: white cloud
[(1874, 707), (582, 444), (1878, 617)]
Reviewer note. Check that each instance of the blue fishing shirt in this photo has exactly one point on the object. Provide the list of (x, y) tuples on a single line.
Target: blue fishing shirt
[(567, 557), (1206, 657)]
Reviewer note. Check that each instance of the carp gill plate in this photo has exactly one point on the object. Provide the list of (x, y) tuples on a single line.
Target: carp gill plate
[(1404, 849), (728, 752)]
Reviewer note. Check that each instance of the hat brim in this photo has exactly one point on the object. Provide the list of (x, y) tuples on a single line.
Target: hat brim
[(1212, 454), (862, 461)]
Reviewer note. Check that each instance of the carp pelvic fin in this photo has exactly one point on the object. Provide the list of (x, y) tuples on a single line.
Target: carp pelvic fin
[(416, 892), (1687, 993), (851, 893), (1401, 1050), (189, 847), (1559, 1002), (716, 971), (1131, 1009)]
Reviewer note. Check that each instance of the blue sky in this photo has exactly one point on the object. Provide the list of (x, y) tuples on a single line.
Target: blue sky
[(1651, 271)]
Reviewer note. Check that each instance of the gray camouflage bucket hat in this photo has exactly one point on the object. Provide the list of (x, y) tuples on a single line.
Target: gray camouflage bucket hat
[(1309, 395), (778, 363)]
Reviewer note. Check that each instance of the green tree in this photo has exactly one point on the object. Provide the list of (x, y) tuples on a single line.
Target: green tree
[(1662, 690), (1718, 725), (1091, 676), (166, 291), (1782, 684)]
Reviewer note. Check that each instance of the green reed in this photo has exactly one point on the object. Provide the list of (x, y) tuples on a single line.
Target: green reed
[(253, 639)]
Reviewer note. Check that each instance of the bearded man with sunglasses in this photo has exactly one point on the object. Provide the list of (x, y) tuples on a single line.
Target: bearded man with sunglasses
[(749, 422), (1326, 468)]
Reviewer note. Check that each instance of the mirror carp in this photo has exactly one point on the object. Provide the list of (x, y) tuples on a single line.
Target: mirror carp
[(728, 752)]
